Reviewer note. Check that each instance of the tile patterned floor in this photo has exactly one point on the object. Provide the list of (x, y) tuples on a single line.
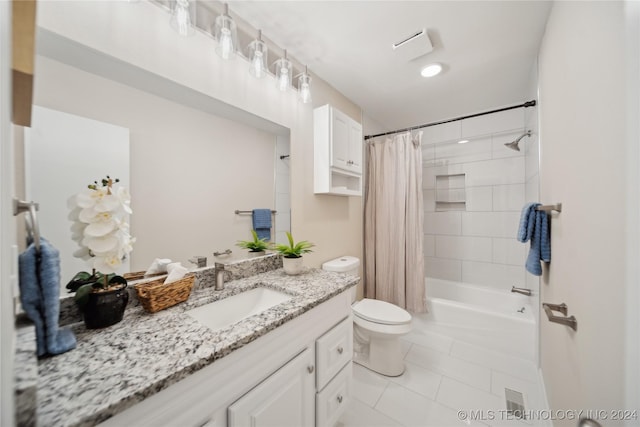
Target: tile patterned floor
[(443, 376)]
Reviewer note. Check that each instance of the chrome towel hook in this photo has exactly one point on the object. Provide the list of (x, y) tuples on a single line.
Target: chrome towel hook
[(33, 229)]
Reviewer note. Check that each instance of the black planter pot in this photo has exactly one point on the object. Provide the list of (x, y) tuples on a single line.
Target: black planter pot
[(105, 308)]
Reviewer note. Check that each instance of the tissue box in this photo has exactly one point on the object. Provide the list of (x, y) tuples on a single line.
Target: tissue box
[(155, 295)]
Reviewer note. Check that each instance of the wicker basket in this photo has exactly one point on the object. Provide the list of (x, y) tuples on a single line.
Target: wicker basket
[(155, 295), (136, 275)]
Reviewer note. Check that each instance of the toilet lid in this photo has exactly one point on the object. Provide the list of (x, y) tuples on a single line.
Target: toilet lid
[(381, 312)]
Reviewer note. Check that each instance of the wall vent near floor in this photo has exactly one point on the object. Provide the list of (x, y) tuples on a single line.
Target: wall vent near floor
[(515, 403)]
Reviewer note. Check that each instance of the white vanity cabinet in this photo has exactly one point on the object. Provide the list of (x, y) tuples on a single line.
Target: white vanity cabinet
[(286, 398), (337, 153), (294, 376), (334, 351)]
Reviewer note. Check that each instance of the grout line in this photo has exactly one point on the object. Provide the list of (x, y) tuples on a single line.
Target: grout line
[(468, 385), (489, 367), (380, 397)]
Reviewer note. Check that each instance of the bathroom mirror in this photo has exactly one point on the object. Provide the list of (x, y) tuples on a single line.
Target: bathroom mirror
[(193, 162)]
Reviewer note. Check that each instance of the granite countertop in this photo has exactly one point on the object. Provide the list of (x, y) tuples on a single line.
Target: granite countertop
[(114, 368)]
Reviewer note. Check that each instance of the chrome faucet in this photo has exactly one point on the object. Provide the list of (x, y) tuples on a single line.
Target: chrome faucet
[(199, 261), (219, 276), (522, 291)]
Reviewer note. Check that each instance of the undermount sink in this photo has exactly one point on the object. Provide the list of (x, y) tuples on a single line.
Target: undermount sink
[(230, 310)]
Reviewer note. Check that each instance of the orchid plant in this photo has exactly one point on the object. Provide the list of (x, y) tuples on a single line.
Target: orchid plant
[(102, 230)]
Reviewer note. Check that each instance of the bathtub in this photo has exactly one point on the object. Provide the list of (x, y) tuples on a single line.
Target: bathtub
[(491, 318)]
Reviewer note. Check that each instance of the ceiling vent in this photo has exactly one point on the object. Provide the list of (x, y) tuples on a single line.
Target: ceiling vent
[(413, 46)]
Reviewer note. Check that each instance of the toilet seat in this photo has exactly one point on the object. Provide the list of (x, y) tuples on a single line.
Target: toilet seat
[(381, 330), (381, 312)]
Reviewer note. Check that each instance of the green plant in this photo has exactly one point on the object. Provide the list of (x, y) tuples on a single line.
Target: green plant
[(84, 283), (255, 245), (294, 250)]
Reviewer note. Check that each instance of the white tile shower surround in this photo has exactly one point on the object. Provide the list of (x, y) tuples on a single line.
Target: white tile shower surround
[(442, 376)]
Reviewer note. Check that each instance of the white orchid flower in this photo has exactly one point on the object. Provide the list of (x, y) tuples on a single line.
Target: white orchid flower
[(88, 197), (102, 244), (82, 253), (125, 199), (103, 223), (126, 245), (87, 215), (107, 263), (101, 227)]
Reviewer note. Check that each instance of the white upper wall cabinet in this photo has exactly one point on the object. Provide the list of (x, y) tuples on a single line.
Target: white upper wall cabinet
[(337, 153)]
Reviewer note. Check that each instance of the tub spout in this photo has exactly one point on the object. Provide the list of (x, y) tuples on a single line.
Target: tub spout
[(522, 291)]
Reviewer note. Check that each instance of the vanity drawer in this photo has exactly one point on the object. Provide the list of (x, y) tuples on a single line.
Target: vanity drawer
[(334, 399), (333, 350)]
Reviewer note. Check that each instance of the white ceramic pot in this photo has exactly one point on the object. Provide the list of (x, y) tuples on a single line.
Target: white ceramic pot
[(292, 266)]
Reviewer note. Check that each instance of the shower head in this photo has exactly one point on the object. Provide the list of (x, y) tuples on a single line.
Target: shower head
[(514, 144)]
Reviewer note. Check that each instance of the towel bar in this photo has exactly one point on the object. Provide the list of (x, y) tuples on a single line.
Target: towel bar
[(549, 208), (239, 212), (570, 321), (20, 206)]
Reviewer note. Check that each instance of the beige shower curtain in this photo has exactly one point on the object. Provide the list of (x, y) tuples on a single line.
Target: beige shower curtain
[(393, 216)]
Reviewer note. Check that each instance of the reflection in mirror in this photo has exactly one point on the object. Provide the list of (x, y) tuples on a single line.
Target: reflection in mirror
[(64, 154), (189, 169)]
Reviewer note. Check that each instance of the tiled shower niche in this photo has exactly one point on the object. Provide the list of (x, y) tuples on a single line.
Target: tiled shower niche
[(450, 192)]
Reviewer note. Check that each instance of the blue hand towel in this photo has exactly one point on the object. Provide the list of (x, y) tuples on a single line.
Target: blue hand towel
[(262, 223), (534, 226), (40, 298)]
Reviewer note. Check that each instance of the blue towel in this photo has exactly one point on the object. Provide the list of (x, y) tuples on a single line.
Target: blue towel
[(262, 223), (40, 298), (534, 226)]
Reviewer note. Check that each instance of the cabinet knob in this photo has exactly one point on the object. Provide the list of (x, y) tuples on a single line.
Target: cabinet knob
[(310, 369), (340, 350), (339, 398)]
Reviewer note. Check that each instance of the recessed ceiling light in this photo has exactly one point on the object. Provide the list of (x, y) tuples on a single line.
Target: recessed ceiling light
[(431, 70), (463, 141)]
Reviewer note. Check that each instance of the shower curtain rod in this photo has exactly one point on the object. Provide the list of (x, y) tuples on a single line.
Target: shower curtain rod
[(524, 105)]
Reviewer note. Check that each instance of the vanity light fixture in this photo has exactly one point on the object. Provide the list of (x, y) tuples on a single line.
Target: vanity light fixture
[(284, 71), (226, 34), (431, 70), (183, 17), (258, 57), (304, 85)]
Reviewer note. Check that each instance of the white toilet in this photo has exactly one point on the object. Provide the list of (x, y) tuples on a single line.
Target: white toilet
[(377, 326)]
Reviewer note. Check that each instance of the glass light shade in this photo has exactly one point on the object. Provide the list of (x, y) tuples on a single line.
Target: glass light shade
[(304, 86), (183, 17), (258, 58), (227, 36), (284, 72)]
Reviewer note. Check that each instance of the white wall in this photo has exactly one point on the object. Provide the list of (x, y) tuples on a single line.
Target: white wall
[(632, 339), (531, 150), (476, 242), (283, 193), (8, 262), (583, 165), (334, 224), (189, 170)]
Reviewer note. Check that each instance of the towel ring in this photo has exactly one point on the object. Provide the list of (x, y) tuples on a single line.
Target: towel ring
[(31, 220)]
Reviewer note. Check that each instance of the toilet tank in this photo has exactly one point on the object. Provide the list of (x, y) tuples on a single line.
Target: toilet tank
[(345, 264)]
